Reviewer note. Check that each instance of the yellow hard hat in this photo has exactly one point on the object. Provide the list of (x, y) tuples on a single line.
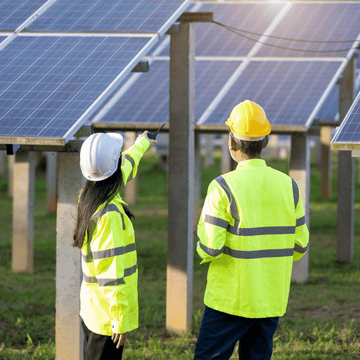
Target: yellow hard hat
[(248, 121)]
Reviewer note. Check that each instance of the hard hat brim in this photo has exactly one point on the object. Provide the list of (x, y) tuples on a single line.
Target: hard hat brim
[(246, 138)]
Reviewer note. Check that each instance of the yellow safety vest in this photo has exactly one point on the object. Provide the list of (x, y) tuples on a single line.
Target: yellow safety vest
[(251, 228), (109, 290)]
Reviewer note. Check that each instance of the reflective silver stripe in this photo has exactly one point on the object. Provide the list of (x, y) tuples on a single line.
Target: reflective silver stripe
[(105, 210), (295, 192), (270, 230), (216, 221), (300, 221), (131, 270), (89, 279), (123, 221), (233, 207), (300, 249), (129, 158), (209, 251), (111, 282), (103, 254), (240, 254), (258, 254)]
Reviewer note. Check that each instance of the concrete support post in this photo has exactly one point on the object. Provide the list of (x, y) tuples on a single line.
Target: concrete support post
[(326, 162), (68, 261), (130, 192), (346, 176), (225, 155), (197, 195), (51, 181), (2, 163), (11, 162), (318, 150), (300, 172), (209, 151), (181, 180), (274, 146), (23, 212)]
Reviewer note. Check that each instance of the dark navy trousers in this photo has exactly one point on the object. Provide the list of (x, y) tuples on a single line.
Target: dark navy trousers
[(99, 347), (219, 333)]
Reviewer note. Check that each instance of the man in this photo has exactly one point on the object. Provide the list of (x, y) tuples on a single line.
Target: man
[(251, 229)]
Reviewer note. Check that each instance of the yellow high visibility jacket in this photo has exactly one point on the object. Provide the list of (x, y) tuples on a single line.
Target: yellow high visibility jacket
[(252, 228), (109, 290)]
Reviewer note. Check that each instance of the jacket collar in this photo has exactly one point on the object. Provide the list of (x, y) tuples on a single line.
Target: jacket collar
[(251, 162), (118, 198)]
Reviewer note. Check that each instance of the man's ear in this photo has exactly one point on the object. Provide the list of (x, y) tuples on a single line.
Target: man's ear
[(232, 144)]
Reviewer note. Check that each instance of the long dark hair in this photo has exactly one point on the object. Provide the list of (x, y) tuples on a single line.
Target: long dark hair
[(92, 195)]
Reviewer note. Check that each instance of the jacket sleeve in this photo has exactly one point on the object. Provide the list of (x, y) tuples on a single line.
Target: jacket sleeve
[(301, 230), (131, 159), (108, 254), (213, 224)]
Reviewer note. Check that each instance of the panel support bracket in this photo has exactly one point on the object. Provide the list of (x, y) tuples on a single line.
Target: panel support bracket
[(86, 130), (196, 17), (141, 67), (12, 149)]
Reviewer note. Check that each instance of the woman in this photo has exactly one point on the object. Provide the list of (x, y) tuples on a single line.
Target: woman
[(105, 235)]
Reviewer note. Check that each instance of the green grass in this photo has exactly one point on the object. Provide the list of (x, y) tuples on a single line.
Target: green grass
[(322, 321)]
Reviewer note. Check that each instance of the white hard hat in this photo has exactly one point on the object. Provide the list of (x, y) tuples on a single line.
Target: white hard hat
[(99, 155)]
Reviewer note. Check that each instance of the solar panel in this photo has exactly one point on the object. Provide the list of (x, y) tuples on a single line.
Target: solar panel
[(287, 90), (349, 131), (147, 100), (110, 15), (48, 83), (213, 40), (315, 22), (330, 109), (14, 12)]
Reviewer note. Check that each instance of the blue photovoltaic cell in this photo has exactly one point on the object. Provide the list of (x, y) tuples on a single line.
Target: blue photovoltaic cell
[(315, 22), (48, 82), (14, 12), (147, 100), (288, 91), (349, 131), (214, 40), (110, 15)]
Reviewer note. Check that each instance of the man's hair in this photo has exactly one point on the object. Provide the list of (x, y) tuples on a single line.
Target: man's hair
[(250, 148)]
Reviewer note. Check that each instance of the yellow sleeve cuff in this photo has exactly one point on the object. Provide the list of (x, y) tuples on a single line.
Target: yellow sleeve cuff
[(120, 327)]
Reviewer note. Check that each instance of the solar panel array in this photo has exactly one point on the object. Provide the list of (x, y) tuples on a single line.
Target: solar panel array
[(48, 81), (291, 86), (288, 90), (61, 64), (55, 98)]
